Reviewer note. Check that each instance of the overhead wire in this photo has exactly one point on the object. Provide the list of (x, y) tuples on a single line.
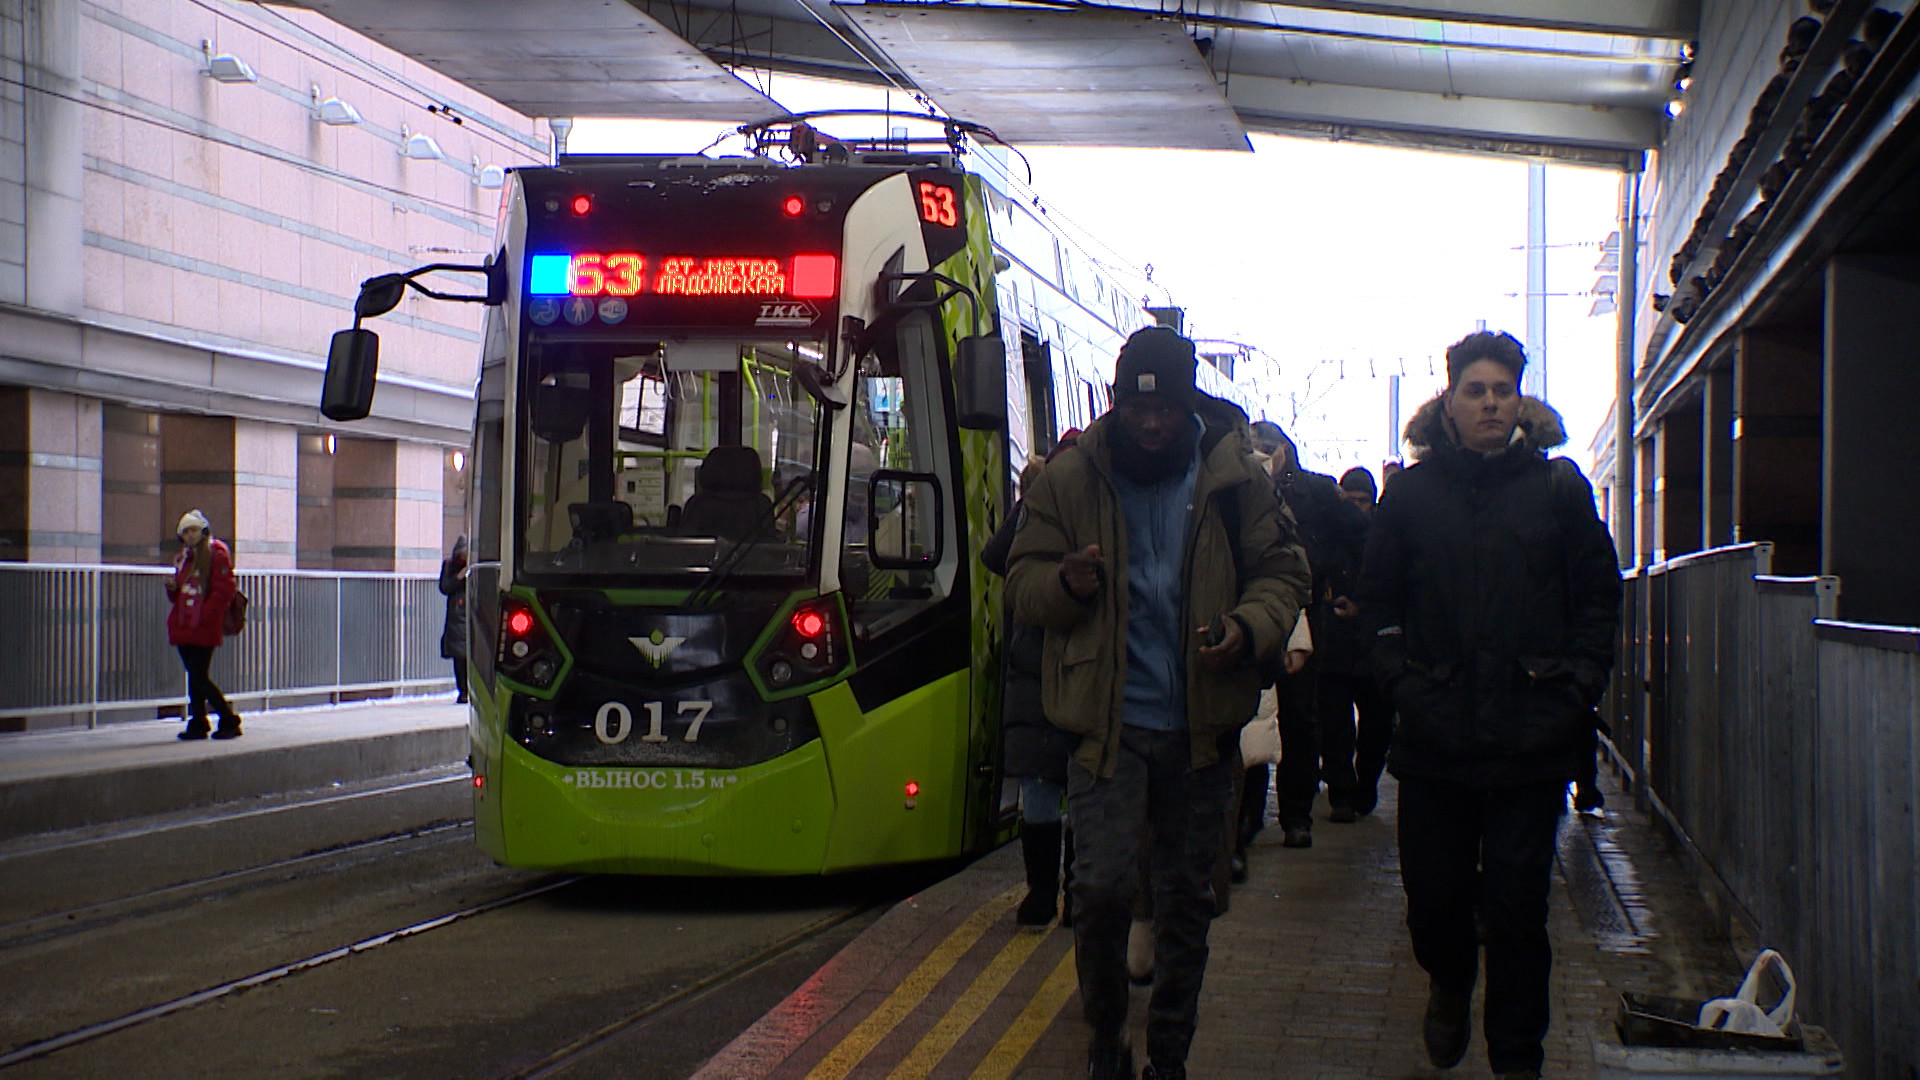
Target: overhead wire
[(484, 127), (283, 158)]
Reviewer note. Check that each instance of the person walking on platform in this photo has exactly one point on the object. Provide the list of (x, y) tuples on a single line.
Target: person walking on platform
[(453, 637), (1161, 569), (1353, 753), (1033, 751), (1334, 535), (201, 588), (1491, 586), (1358, 488)]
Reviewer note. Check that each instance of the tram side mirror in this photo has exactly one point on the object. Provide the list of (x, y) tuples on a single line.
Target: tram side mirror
[(561, 404), (905, 520), (813, 381), (353, 362), (980, 383)]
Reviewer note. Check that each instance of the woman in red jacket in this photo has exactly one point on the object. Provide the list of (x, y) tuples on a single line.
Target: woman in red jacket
[(201, 589)]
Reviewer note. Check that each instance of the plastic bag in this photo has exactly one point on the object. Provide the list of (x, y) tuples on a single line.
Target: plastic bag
[(1742, 1012), (1260, 739)]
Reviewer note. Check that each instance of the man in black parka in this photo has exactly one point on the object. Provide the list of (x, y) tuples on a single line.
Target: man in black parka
[(1493, 591)]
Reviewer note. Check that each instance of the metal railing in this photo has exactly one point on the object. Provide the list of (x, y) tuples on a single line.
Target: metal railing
[(83, 641), (1783, 748)]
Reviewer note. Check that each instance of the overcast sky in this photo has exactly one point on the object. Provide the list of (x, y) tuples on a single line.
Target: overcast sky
[(1345, 263)]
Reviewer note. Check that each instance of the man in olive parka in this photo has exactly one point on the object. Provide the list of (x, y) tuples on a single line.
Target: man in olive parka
[(1161, 567)]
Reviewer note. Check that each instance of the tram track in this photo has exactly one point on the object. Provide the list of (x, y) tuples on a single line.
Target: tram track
[(584, 1048), (54, 1044), (82, 918)]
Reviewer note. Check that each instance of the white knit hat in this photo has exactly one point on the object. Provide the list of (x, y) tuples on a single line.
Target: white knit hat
[(192, 517)]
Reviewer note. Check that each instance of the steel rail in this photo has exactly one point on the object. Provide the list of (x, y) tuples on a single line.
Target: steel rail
[(77, 920), (44, 1047), (575, 1051)]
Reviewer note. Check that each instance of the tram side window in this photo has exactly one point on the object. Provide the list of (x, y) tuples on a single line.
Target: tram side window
[(897, 425)]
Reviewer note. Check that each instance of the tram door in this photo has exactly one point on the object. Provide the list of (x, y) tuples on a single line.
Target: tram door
[(1038, 357)]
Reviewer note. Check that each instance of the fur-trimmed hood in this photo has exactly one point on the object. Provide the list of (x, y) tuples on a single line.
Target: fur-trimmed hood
[(1540, 427)]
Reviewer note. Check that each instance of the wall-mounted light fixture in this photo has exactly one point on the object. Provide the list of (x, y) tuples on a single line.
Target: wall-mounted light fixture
[(226, 67), (459, 461), (331, 444), (419, 147), (333, 111), (490, 177)]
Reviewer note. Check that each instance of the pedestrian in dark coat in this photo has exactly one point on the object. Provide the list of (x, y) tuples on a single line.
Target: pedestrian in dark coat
[(201, 589), (1492, 588), (1333, 533), (453, 638), (1355, 721), (1033, 751), (1162, 569)]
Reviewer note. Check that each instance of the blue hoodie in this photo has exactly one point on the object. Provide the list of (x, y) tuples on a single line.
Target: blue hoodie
[(1157, 517)]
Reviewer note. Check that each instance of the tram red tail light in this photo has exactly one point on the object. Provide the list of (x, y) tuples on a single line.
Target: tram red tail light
[(527, 655), (582, 204), (794, 206), (913, 788), (811, 645)]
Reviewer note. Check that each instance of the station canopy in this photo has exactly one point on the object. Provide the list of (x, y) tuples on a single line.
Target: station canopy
[(1573, 80)]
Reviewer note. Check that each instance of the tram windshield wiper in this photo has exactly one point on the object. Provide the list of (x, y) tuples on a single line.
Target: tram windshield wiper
[(735, 555)]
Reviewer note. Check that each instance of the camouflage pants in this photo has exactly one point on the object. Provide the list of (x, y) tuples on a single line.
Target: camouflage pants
[(1155, 797)]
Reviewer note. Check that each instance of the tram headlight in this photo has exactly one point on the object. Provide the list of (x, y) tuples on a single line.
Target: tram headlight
[(780, 673)]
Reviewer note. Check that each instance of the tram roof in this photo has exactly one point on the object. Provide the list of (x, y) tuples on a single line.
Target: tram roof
[(1566, 79)]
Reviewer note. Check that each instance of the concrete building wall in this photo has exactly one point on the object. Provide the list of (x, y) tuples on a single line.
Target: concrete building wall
[(178, 250), (13, 152)]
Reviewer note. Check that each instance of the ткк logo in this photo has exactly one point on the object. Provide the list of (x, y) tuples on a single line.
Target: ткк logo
[(657, 646)]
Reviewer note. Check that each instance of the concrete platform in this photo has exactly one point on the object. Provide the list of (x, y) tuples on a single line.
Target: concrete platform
[(1311, 974), (74, 777)]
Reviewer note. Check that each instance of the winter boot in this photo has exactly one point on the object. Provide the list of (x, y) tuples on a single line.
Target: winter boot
[(197, 728), (1066, 877), (1448, 1025), (1110, 1059), (1040, 844), (229, 726)]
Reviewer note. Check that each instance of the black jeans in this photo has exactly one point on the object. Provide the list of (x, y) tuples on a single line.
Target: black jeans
[(1297, 778), (202, 695), (1353, 754), (1155, 792), (1492, 846), (460, 677)]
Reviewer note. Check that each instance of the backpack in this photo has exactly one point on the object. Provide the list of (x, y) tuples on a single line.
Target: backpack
[(235, 620)]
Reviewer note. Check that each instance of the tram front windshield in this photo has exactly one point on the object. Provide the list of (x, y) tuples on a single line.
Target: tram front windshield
[(667, 460)]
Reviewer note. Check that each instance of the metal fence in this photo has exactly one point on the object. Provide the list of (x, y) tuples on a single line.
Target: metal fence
[(83, 641), (1782, 748)]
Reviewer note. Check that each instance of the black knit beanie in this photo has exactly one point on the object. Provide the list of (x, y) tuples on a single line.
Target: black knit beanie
[(1155, 360)]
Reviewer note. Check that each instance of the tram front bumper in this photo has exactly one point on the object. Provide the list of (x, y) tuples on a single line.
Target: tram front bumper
[(772, 818)]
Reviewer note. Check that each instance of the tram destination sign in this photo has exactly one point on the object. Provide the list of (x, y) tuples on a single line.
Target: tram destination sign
[(611, 288)]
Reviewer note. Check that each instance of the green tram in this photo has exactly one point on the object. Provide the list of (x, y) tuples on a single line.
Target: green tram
[(741, 433)]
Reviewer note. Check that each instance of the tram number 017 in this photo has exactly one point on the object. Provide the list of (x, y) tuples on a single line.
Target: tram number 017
[(614, 722)]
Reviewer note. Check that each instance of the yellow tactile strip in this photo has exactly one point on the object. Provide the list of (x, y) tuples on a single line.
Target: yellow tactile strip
[(944, 987)]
